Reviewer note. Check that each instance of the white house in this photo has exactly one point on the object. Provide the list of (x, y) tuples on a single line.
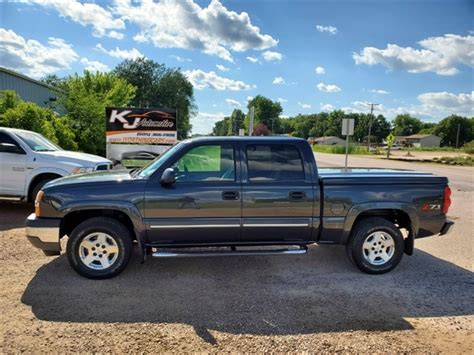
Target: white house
[(423, 140)]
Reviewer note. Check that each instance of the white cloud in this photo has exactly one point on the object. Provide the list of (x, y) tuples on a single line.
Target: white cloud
[(86, 14), (93, 65), (328, 87), (440, 55), (272, 56), (201, 80), (326, 107), (203, 122), (222, 67), (329, 29), (33, 58), (233, 103), (305, 106), (120, 53), (252, 59), (213, 30), (115, 34), (462, 104), (320, 70), (281, 100), (431, 105), (378, 91), (249, 98), (278, 80), (180, 59)]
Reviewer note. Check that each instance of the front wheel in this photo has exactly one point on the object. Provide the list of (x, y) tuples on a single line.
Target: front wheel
[(376, 245), (99, 248)]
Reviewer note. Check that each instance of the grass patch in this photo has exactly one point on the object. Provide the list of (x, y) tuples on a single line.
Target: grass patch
[(463, 161), (341, 149)]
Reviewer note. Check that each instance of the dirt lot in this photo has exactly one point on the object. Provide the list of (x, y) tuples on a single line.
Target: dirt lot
[(315, 302)]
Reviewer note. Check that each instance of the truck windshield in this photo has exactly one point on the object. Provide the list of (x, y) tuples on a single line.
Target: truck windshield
[(155, 164), (37, 142)]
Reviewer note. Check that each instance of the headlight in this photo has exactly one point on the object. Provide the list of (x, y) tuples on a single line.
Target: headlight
[(82, 170), (39, 198)]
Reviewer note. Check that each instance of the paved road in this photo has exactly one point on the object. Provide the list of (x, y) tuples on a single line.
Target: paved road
[(456, 247)]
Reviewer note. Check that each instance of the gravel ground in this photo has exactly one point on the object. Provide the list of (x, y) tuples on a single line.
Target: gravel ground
[(316, 302)]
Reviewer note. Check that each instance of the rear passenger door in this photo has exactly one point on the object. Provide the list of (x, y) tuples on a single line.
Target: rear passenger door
[(277, 193)]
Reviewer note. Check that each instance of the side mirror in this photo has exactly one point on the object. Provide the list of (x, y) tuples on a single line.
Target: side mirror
[(168, 177), (10, 148)]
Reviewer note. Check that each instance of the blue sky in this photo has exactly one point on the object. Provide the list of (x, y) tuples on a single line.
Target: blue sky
[(412, 57)]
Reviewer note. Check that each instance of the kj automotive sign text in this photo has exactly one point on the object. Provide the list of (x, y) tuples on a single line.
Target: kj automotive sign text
[(140, 126)]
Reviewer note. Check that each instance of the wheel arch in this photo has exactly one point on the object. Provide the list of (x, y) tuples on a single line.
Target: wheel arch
[(38, 178), (402, 214), (128, 214)]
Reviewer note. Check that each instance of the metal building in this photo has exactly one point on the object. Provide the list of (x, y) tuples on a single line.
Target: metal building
[(26, 88)]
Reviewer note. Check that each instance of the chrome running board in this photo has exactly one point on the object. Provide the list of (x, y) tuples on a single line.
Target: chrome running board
[(233, 252)]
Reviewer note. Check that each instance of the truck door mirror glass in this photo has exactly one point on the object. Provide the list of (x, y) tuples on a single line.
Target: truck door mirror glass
[(10, 148), (168, 177)]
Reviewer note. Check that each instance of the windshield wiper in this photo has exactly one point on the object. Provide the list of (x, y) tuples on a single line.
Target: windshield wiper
[(45, 150)]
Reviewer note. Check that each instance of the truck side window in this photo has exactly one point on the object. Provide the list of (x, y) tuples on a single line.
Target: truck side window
[(274, 163), (8, 144), (207, 163)]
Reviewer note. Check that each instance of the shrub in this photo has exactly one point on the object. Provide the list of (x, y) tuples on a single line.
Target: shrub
[(469, 147)]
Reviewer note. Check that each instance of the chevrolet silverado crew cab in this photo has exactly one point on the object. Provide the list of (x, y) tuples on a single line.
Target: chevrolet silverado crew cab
[(237, 196), (28, 161)]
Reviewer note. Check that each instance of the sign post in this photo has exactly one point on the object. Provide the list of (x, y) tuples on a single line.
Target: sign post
[(252, 113), (347, 130)]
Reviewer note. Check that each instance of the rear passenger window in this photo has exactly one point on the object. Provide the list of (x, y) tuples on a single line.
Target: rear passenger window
[(274, 163)]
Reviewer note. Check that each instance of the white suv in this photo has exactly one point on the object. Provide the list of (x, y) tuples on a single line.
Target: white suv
[(28, 161)]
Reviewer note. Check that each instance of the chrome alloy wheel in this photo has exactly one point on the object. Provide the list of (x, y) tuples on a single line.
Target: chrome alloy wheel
[(98, 251), (378, 248)]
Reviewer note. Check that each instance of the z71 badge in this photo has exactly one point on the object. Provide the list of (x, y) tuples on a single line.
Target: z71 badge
[(431, 207)]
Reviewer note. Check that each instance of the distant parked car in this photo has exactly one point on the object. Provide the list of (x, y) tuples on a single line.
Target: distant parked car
[(28, 161), (393, 147)]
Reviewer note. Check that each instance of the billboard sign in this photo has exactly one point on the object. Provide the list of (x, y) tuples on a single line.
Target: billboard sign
[(144, 126)]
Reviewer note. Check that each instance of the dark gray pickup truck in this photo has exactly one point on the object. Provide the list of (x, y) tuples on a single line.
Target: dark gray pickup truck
[(237, 196)]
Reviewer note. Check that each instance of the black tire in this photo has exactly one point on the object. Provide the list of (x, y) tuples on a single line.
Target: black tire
[(359, 256), (117, 233), (39, 185)]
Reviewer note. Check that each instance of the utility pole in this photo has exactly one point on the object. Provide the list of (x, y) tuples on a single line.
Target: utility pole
[(457, 135), (252, 112), (370, 123)]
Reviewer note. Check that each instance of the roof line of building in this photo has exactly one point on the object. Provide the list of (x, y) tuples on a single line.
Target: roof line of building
[(24, 77)]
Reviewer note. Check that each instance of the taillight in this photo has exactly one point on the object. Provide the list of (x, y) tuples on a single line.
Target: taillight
[(446, 200)]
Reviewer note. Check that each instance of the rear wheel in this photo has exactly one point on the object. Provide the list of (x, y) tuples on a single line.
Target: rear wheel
[(376, 245), (99, 248)]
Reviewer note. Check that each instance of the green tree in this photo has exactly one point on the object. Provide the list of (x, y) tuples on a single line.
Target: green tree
[(380, 127), (85, 100), (158, 86), (17, 113), (221, 128), (266, 112), (405, 125), (447, 129), (236, 122), (427, 128)]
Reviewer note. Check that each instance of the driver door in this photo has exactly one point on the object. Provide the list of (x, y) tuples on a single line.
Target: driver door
[(203, 206), (12, 167)]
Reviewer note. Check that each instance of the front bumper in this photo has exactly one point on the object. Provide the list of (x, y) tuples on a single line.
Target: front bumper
[(43, 233)]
